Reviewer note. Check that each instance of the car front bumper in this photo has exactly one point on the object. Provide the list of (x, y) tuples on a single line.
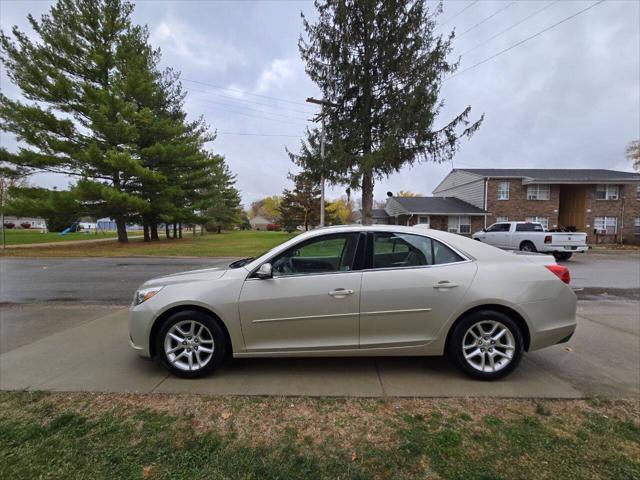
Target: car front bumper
[(141, 319)]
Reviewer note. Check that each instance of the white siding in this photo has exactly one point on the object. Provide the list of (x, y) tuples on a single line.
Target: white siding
[(463, 185)]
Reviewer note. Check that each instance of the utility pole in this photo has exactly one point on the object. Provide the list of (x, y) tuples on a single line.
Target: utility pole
[(322, 104)]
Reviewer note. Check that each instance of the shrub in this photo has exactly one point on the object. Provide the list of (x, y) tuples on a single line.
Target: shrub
[(273, 227), (25, 225), (9, 225)]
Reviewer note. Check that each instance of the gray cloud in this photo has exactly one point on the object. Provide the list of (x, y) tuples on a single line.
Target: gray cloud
[(568, 98)]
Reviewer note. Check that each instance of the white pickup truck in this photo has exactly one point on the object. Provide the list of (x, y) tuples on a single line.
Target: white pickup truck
[(532, 237)]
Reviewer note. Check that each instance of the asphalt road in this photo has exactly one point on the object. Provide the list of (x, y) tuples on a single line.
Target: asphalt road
[(106, 281), (112, 281)]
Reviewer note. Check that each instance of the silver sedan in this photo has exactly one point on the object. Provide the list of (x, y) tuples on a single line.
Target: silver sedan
[(359, 291)]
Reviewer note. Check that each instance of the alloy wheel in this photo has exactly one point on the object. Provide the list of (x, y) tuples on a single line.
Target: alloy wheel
[(189, 345), (488, 346)]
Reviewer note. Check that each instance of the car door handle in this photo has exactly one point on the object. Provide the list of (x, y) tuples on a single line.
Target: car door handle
[(445, 284), (340, 292)]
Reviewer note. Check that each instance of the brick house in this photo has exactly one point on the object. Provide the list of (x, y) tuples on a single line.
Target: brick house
[(441, 213), (603, 203)]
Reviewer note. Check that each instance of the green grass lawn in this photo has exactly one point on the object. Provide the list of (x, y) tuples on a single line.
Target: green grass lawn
[(226, 244), (26, 236), (105, 436)]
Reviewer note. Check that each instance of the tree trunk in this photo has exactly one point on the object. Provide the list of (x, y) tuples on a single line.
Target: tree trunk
[(194, 229), (175, 230), (201, 229), (180, 230), (121, 228), (145, 229), (367, 197), (154, 231), (166, 230), (219, 229)]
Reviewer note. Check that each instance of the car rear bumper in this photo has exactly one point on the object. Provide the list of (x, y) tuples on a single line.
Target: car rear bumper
[(552, 321)]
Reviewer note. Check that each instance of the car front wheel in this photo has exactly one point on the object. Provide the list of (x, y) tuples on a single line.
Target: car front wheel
[(486, 345), (190, 344)]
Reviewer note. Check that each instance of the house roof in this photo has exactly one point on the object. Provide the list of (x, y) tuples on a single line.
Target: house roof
[(378, 213), (557, 175), (437, 206)]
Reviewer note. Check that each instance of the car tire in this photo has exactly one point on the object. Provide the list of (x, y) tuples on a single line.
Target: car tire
[(562, 256), (528, 246), (497, 359), (190, 344)]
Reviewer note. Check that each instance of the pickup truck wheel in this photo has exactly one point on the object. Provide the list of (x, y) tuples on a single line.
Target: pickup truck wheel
[(562, 256), (528, 246)]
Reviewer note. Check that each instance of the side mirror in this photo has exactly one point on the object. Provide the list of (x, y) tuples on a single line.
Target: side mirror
[(484, 229), (265, 271)]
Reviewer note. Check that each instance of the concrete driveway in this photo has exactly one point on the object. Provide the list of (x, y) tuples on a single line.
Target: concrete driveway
[(94, 355)]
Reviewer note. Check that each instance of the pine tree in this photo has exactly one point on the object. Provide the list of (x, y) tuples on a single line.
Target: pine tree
[(81, 119), (300, 206), (380, 64)]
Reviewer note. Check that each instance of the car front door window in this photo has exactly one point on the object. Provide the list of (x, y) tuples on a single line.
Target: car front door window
[(326, 254)]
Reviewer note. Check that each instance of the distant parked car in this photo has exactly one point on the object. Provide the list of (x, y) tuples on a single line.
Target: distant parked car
[(532, 237), (273, 227), (359, 291)]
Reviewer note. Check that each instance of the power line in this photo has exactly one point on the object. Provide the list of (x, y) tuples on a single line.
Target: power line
[(500, 10), (510, 28), (253, 102), (251, 109), (457, 14), (244, 92), (259, 134), (531, 37), (278, 120)]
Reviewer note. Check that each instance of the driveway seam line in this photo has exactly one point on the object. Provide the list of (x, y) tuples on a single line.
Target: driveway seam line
[(384, 393), (153, 390)]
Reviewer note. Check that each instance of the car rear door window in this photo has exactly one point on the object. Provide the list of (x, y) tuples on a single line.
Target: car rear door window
[(397, 250)]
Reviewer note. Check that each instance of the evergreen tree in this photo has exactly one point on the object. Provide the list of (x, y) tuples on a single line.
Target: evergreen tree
[(380, 64), (300, 206), (81, 119)]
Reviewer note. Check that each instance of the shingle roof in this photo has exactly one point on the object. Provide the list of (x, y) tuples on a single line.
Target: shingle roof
[(557, 174), (438, 205), (379, 213)]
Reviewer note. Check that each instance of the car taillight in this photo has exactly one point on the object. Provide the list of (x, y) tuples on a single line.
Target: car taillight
[(561, 272), (548, 239)]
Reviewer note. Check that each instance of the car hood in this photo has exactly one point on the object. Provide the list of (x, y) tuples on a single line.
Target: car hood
[(204, 274)]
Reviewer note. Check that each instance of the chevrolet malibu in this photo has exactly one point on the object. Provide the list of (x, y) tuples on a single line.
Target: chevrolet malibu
[(376, 290)]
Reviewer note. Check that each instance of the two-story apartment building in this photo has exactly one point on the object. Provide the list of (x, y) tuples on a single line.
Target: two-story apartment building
[(603, 203)]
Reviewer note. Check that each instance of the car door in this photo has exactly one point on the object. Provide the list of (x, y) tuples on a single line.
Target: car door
[(411, 287), (502, 235), (311, 303)]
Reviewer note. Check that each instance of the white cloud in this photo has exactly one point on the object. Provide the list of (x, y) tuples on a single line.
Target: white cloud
[(276, 75), (189, 45)]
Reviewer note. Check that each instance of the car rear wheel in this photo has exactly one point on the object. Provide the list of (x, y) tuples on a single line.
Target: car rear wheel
[(528, 247), (486, 345), (190, 344), (562, 256)]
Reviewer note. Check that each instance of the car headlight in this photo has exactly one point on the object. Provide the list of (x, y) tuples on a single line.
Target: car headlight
[(145, 294)]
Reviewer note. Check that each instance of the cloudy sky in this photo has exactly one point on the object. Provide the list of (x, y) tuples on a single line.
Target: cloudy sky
[(569, 97)]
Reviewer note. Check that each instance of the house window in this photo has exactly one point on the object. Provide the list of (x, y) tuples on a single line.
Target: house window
[(638, 191), (606, 192), (636, 226), (459, 224), (544, 221), (503, 191), (502, 219), (538, 192), (422, 219), (608, 225)]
